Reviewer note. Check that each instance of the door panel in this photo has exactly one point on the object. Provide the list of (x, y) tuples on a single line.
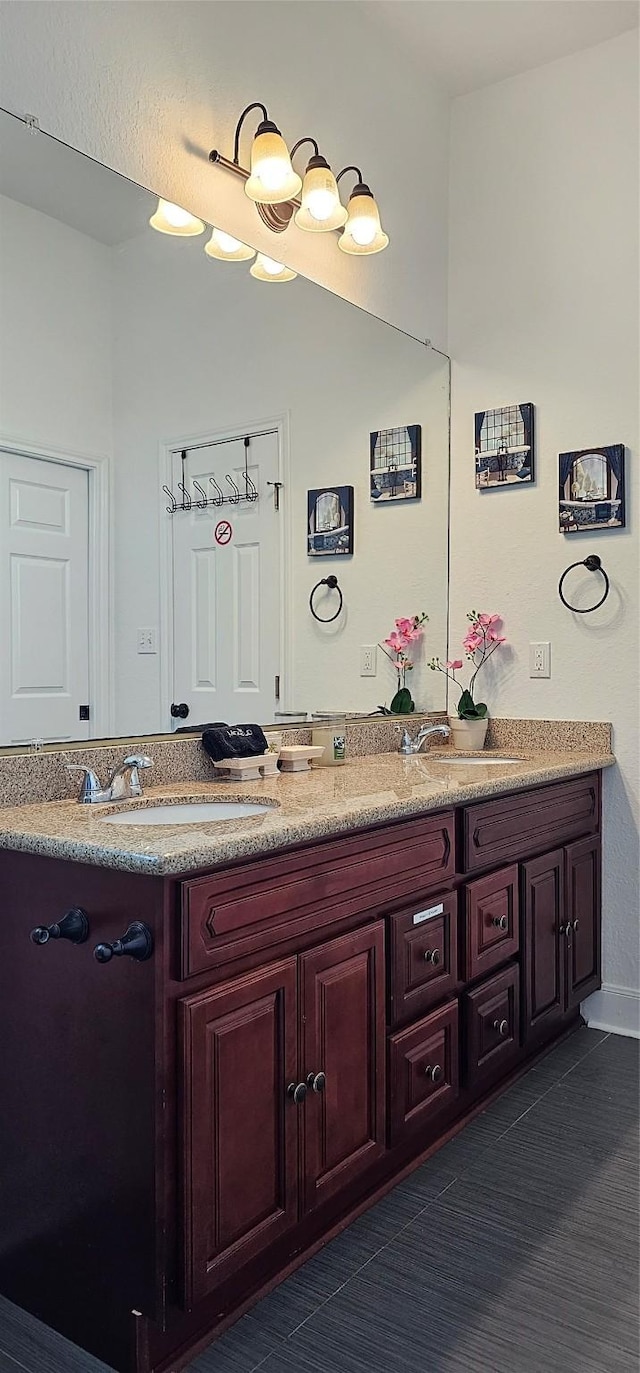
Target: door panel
[(492, 1017), (543, 944), (491, 921), (423, 1073), (583, 915), (226, 589), (44, 614), (342, 986), (423, 950), (240, 1130)]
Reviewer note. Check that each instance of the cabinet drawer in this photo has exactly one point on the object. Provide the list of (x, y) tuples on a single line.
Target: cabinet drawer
[(423, 1072), (529, 822), (491, 921), (492, 1027), (240, 911), (423, 948)]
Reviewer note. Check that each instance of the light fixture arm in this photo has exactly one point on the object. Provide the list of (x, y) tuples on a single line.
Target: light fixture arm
[(300, 143), (257, 105), (351, 169)]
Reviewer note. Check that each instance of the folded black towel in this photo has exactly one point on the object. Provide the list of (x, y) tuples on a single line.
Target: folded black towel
[(234, 741), (200, 729)]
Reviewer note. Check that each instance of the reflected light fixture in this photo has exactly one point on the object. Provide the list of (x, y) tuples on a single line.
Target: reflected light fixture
[(267, 269), (172, 219), (362, 233), (227, 249), (320, 208)]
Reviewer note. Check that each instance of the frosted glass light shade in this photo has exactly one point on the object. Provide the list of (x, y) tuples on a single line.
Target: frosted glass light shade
[(172, 219), (227, 249), (363, 232), (267, 269), (272, 179), (321, 208)]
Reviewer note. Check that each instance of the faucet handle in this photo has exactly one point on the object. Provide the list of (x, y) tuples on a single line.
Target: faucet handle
[(90, 782), (138, 760)]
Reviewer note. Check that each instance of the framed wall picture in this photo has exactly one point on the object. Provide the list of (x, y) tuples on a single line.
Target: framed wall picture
[(592, 494), (330, 521), (504, 447), (395, 464)]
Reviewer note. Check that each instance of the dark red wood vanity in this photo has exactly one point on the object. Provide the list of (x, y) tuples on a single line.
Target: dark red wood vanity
[(180, 1131)]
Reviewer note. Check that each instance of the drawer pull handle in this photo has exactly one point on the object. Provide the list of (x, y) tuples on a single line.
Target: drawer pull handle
[(297, 1091), (435, 1073), (432, 956), (317, 1082), (501, 922), (502, 1028)]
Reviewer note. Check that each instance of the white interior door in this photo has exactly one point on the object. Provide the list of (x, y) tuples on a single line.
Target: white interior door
[(44, 603), (226, 587)]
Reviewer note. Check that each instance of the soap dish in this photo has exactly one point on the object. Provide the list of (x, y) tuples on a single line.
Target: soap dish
[(248, 769), (298, 757)]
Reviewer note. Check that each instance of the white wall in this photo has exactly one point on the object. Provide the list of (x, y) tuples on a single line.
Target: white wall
[(55, 340), (544, 308), (200, 347), (150, 88)]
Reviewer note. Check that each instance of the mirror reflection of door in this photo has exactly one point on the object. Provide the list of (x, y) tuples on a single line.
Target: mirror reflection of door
[(226, 586), (44, 619)]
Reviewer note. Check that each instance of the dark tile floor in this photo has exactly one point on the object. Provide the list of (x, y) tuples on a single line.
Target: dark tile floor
[(514, 1250)]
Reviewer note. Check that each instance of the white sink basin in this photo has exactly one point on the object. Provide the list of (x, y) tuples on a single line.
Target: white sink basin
[(478, 760), (187, 813)]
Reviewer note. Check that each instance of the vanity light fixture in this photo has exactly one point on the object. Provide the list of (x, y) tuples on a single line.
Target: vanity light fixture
[(320, 207), (227, 249), (272, 178), (267, 269), (172, 219), (363, 231)]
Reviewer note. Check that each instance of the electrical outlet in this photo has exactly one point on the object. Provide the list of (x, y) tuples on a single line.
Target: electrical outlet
[(368, 660), (539, 660), (147, 641)]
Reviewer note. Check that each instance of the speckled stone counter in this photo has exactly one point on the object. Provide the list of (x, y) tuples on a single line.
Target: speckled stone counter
[(308, 806)]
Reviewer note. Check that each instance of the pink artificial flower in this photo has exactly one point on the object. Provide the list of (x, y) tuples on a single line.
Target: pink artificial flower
[(496, 638), (488, 620), (405, 626), (454, 664), (395, 642), (472, 641)]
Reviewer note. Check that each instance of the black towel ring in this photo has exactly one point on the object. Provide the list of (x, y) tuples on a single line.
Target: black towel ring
[(593, 564), (332, 583)]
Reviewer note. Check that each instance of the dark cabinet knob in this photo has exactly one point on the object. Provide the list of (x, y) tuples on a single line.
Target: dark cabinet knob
[(179, 711), (432, 956), (434, 1071), (575, 925), (566, 929), (297, 1091), (137, 942), (74, 926), (317, 1082), (501, 922), (501, 1027)]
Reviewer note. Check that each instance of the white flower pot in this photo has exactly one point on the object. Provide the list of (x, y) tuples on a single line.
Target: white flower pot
[(468, 736)]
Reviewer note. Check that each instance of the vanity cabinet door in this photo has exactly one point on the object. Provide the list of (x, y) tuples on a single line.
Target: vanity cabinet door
[(240, 1127), (423, 1074), (423, 957), (543, 944), (492, 931), (583, 920), (492, 1017), (343, 1053)]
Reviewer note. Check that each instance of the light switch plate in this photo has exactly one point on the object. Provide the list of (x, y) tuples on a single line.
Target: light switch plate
[(540, 660), (368, 660), (147, 640)]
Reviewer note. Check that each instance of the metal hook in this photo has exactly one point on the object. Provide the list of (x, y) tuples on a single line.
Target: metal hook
[(171, 509), (203, 502), (219, 496), (236, 494), (252, 492), (186, 503)]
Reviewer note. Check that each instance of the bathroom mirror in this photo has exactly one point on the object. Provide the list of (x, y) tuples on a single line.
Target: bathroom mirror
[(297, 437)]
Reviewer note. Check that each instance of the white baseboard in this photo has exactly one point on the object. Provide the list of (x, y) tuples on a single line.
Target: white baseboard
[(615, 1009)]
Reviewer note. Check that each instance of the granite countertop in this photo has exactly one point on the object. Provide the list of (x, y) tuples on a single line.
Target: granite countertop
[(311, 805)]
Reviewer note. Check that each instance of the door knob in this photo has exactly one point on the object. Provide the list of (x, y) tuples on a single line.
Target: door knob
[(180, 711), (317, 1082), (432, 956), (502, 1027), (435, 1072), (74, 926), (297, 1091), (136, 942), (501, 922)]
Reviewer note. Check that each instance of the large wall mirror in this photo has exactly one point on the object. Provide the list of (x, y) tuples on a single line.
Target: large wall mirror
[(131, 362)]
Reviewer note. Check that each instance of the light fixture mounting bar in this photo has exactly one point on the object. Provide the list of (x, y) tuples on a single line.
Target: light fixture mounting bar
[(219, 160)]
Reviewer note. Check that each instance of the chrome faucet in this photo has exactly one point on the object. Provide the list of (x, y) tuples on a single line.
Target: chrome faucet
[(123, 784), (410, 746)]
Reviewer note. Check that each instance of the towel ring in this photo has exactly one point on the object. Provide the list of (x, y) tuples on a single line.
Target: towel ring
[(593, 564), (332, 583)]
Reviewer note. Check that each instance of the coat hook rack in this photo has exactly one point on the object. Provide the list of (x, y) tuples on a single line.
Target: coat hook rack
[(593, 564), (199, 497)]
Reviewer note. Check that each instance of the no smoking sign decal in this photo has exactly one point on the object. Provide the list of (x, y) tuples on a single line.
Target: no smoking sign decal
[(223, 532)]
